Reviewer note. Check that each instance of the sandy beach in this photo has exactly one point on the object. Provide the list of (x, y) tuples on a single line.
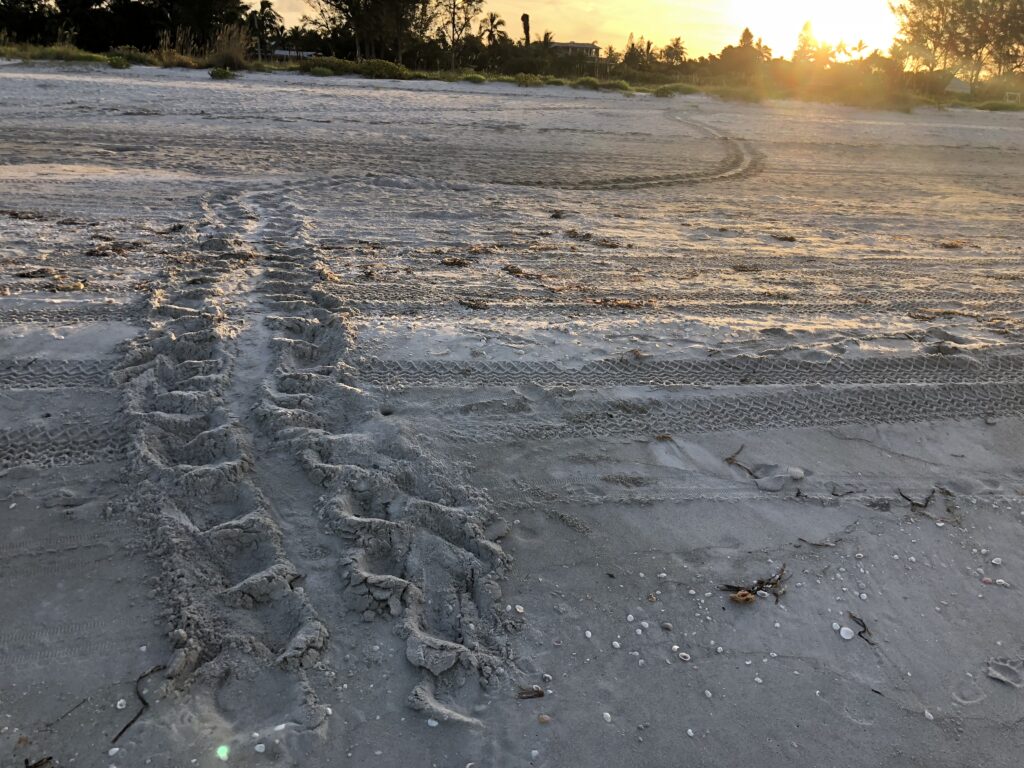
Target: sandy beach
[(373, 423)]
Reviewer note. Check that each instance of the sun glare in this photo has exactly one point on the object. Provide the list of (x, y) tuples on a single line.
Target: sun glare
[(833, 21)]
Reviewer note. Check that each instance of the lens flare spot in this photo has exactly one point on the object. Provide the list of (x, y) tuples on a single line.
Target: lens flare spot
[(223, 752)]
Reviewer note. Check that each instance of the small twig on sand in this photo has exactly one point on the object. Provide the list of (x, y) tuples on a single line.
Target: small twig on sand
[(46, 762), (865, 633), (732, 461), (918, 505), (50, 725), (533, 692), (142, 699), (921, 507), (825, 543)]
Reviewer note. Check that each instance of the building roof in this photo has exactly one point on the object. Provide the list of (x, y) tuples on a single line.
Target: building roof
[(293, 54), (956, 85), (576, 45)]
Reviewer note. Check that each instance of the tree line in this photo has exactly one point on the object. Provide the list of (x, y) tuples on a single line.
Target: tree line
[(99, 25), (972, 38), (969, 37)]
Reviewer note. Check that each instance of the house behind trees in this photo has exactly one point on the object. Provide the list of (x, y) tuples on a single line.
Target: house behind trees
[(589, 50)]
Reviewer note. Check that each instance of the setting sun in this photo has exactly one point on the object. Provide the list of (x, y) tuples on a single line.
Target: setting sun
[(779, 23), (706, 26)]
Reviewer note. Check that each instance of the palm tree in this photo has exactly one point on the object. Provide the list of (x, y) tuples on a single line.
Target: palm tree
[(675, 51), (264, 24), (859, 49), (823, 55), (492, 28), (526, 28)]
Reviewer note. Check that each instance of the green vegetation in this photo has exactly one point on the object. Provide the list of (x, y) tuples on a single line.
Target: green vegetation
[(379, 69), (229, 50), (222, 73), (615, 85), (474, 77), (372, 68), (1000, 106), (134, 56), (675, 89), (118, 62), (589, 83), (737, 93), (331, 64), (321, 72), (529, 81), (58, 52)]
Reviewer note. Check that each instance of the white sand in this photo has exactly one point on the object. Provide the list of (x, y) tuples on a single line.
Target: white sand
[(346, 410)]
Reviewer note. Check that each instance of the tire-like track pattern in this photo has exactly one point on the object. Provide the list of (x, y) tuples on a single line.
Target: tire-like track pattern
[(738, 371), (812, 407), (83, 313), (36, 373), (84, 442)]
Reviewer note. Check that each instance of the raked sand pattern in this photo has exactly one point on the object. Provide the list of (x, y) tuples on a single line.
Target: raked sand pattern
[(359, 423)]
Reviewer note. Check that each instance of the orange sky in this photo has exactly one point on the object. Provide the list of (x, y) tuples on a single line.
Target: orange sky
[(705, 25)]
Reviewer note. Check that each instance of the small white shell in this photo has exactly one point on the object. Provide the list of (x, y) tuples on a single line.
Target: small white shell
[(847, 634)]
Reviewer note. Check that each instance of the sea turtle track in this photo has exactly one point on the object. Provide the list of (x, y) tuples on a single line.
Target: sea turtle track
[(414, 549), (233, 606), (406, 534), (739, 161)]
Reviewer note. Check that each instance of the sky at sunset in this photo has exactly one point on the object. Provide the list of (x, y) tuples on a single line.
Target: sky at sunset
[(705, 25)]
